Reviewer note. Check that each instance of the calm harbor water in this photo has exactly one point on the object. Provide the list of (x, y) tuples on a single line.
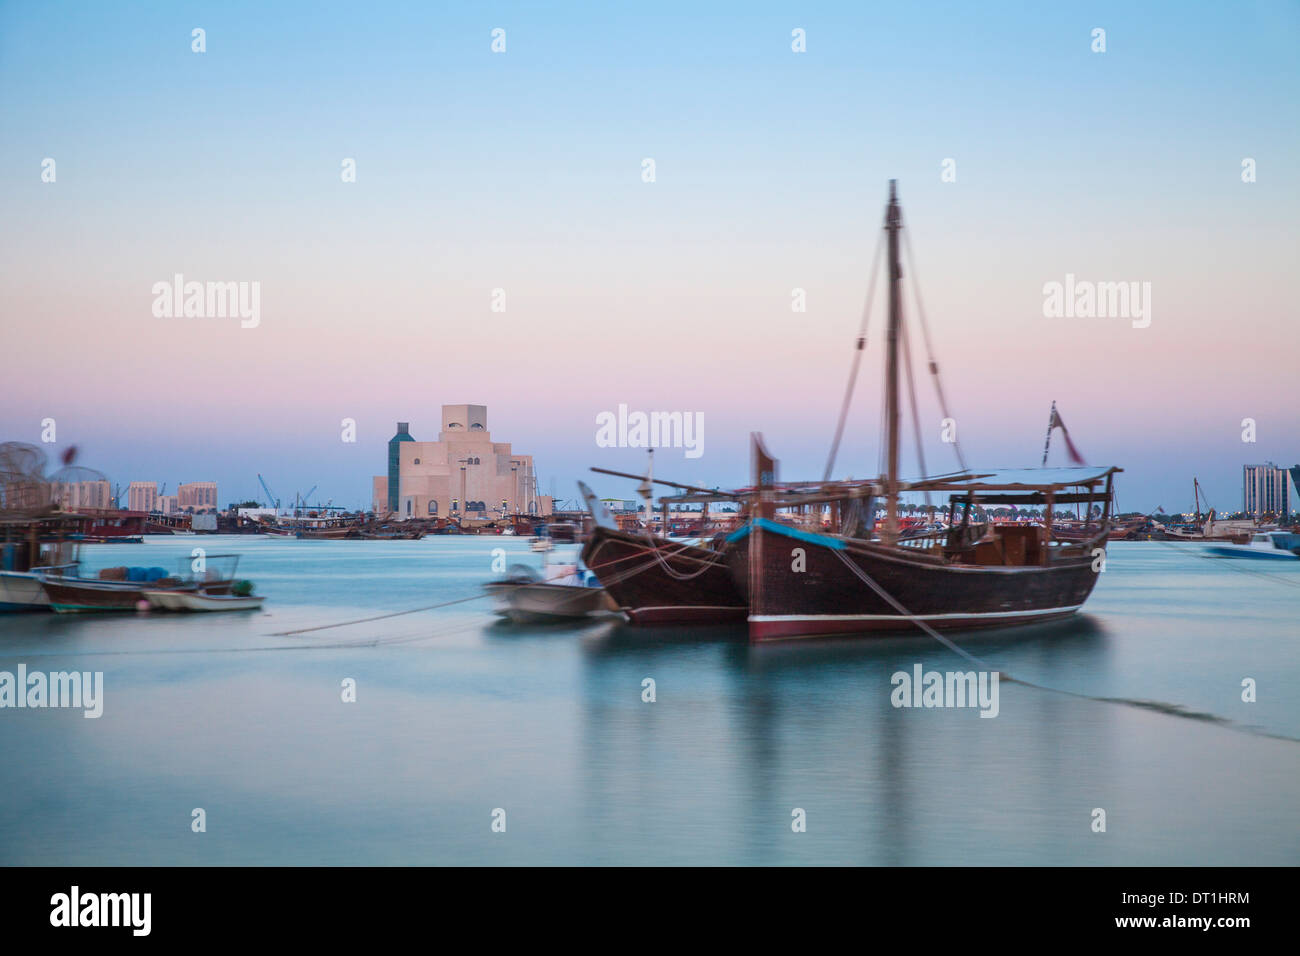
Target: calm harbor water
[(457, 715)]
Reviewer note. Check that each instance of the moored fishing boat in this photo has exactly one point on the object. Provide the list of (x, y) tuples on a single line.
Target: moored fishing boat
[(327, 534), (567, 593), (656, 581), (1267, 545), (391, 534), (803, 582), (75, 595), (123, 589), (195, 600), (32, 548)]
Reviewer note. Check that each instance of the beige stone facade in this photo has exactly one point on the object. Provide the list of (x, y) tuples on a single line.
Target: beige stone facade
[(142, 496), (463, 473), (197, 496)]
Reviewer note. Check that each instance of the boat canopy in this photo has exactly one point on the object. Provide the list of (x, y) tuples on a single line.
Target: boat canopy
[(1030, 482), (1038, 479)]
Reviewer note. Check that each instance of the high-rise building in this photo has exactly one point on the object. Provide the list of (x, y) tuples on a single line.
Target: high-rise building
[(142, 496), (197, 496), (1266, 490), (78, 495), (464, 472), (167, 504)]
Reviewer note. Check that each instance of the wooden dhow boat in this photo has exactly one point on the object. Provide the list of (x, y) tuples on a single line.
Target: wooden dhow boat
[(804, 582), (654, 580), (115, 592)]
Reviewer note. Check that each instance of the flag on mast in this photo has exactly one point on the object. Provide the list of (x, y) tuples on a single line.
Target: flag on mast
[(1055, 421)]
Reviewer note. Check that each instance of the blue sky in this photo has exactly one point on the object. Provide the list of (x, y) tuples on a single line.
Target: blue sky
[(521, 170)]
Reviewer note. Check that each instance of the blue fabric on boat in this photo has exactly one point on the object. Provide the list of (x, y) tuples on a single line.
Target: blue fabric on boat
[(821, 540), (155, 574), (136, 575)]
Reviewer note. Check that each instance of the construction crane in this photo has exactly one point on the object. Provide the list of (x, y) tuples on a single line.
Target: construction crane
[(275, 502), (300, 501)]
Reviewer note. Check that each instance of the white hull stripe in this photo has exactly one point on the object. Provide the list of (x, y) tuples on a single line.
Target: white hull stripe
[(761, 618)]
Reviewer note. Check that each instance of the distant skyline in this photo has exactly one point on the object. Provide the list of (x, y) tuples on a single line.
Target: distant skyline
[(522, 171)]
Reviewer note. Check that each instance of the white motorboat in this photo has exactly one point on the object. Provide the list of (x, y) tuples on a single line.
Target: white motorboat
[(569, 593), (1283, 545), (22, 590)]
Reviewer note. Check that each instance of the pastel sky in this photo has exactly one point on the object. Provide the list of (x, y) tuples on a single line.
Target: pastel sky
[(522, 171)]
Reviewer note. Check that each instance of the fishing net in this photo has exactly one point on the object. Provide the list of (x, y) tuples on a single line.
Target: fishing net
[(24, 489)]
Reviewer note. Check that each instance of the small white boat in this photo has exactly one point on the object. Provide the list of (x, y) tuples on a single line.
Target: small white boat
[(22, 591), (540, 544), (201, 601), (574, 593), (1264, 544)]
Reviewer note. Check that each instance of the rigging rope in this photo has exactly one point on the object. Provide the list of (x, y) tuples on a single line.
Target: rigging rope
[(859, 348), (916, 418), (929, 349)]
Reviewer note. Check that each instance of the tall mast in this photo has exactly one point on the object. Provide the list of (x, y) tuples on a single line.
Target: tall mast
[(893, 223)]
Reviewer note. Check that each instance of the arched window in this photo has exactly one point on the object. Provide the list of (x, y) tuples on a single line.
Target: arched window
[(408, 507), (417, 461), (433, 507)]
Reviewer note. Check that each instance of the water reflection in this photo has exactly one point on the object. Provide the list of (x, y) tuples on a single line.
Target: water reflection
[(763, 729)]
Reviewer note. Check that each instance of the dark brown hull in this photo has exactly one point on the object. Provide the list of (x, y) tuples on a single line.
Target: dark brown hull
[(829, 597), (70, 595), (697, 586)]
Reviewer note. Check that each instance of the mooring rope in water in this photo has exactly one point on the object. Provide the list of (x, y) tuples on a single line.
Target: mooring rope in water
[(416, 610), (379, 617), (1174, 710)]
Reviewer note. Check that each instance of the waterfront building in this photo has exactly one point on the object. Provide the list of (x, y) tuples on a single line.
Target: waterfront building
[(195, 496), (81, 495), (142, 496), (1266, 490), (463, 473), (167, 504)]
